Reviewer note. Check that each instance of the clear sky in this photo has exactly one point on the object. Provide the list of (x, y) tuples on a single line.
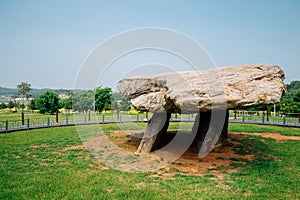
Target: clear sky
[(45, 42)]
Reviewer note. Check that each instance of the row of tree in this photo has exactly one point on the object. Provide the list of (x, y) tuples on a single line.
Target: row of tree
[(98, 99), (9, 105)]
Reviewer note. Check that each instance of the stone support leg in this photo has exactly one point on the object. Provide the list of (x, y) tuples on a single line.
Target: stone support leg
[(157, 126), (201, 126)]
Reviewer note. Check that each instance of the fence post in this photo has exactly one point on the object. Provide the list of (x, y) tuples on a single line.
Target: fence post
[(28, 123), (23, 120), (243, 117), (56, 116), (84, 119), (120, 117), (48, 122), (102, 118), (6, 126), (137, 117), (284, 120), (67, 120), (263, 118)]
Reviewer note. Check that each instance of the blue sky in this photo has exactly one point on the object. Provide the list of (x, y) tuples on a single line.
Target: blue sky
[(45, 42)]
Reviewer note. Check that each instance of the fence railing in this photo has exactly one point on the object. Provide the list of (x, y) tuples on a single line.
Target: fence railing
[(95, 118), (260, 117)]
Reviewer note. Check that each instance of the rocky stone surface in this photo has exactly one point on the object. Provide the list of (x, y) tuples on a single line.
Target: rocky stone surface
[(194, 91)]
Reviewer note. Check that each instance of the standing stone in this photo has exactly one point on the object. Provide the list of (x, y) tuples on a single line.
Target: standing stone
[(202, 124), (156, 128)]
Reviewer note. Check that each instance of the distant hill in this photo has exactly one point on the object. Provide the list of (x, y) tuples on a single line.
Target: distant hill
[(8, 92), (294, 85)]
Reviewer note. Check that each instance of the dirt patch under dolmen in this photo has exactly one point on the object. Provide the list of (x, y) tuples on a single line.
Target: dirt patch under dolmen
[(216, 164)]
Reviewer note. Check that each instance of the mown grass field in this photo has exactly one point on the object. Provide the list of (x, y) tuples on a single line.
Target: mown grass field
[(46, 164)]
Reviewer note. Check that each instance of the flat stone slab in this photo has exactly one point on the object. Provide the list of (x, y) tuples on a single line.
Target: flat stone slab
[(194, 91)]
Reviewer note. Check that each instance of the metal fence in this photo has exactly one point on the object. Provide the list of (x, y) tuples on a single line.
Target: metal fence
[(292, 120), (261, 117)]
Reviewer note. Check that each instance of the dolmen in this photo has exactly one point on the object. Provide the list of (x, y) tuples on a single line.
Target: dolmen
[(209, 94)]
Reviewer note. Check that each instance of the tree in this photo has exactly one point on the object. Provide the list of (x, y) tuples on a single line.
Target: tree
[(103, 98), (15, 103), (22, 106), (83, 100), (11, 104), (296, 95), (290, 102), (23, 91), (32, 105), (48, 102), (119, 103), (125, 105), (3, 105), (115, 101), (294, 85), (67, 103)]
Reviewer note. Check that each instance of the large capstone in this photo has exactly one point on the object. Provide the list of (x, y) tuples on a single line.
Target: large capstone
[(194, 91)]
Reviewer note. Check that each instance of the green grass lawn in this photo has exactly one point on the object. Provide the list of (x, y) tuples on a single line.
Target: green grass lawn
[(252, 128), (39, 164)]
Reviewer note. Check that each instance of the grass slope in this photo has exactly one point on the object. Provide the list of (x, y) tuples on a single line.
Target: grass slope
[(51, 164)]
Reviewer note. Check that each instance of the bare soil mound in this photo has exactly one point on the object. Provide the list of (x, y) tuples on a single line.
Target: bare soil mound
[(215, 164), (189, 162)]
